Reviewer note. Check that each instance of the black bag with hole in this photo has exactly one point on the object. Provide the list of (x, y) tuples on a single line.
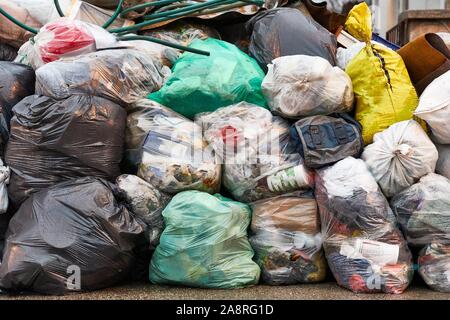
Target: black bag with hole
[(324, 140)]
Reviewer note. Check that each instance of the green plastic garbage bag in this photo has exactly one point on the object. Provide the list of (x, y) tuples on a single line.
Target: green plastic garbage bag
[(205, 83), (204, 243)]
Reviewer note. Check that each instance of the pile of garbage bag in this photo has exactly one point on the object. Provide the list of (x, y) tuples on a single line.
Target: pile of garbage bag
[(220, 145)]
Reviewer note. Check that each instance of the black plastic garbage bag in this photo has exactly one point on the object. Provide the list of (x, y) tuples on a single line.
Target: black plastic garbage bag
[(7, 53), (16, 82), (75, 236), (287, 31), (56, 140)]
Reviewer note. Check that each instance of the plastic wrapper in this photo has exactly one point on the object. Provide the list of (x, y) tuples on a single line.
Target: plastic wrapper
[(7, 53), (16, 82), (122, 76), (205, 83), (4, 180), (146, 202), (434, 266), (443, 163), (182, 32), (324, 140), (287, 31), (299, 86), (383, 90), (44, 11), (434, 108), (74, 236), (287, 240), (423, 210), (400, 156), (258, 155), (365, 250), (64, 38), (56, 140), (11, 33), (204, 243), (169, 150), (345, 55)]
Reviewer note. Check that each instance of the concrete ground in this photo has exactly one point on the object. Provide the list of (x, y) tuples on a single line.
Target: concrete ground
[(323, 291)]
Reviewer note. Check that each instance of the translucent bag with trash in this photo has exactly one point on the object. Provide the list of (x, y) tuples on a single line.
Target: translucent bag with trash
[(383, 90), (300, 86), (434, 108), (434, 266), (205, 83), (10, 32), (258, 154), (64, 38), (365, 250), (287, 240), (423, 210), (204, 243), (74, 236), (324, 140), (443, 163), (169, 150), (4, 180), (400, 156), (122, 76), (287, 31), (146, 202), (167, 56), (56, 140)]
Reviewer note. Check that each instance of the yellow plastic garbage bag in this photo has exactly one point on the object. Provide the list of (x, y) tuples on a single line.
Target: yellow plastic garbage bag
[(382, 86)]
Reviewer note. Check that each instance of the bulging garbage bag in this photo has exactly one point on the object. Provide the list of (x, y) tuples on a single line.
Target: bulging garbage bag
[(383, 90), (146, 202), (122, 76), (423, 210), (259, 157), (170, 151), (434, 266), (165, 55), (299, 86), (365, 250), (4, 180), (64, 38), (7, 53), (324, 140), (204, 243), (434, 108), (287, 240), (16, 82), (443, 163), (10, 32), (287, 31), (74, 236), (205, 83), (400, 156), (56, 140)]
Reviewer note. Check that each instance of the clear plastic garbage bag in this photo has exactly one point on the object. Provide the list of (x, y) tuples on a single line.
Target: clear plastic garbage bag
[(434, 266)]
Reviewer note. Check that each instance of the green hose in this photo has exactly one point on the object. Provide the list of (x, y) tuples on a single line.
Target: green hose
[(58, 8), (114, 16), (193, 7), (147, 4), (171, 15), (164, 43), (17, 22)]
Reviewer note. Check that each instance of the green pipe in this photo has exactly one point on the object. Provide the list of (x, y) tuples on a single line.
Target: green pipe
[(17, 22), (147, 4), (167, 16), (165, 43), (193, 7), (58, 8), (114, 16)]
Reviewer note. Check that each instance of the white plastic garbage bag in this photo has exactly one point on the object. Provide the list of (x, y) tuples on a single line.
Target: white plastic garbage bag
[(4, 180), (400, 156), (299, 86), (443, 163), (434, 108), (345, 55)]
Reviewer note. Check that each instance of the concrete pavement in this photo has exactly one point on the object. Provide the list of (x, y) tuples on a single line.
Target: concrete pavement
[(327, 291)]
